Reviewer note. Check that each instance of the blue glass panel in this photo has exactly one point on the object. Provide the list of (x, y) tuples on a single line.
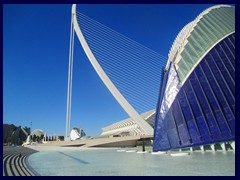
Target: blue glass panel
[(223, 125), (226, 98), (228, 73), (221, 81), (204, 109), (194, 131), (214, 127), (219, 97), (232, 38), (180, 123), (211, 122), (172, 131), (169, 123), (206, 87), (184, 135), (223, 57), (197, 111), (205, 136), (213, 85), (187, 112), (230, 53), (177, 113), (222, 66), (231, 119), (191, 98), (161, 141), (172, 135), (230, 41)]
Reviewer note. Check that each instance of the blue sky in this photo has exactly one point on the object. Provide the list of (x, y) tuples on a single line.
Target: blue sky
[(35, 61)]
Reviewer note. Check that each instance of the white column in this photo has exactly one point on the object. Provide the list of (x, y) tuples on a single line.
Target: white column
[(202, 148), (223, 146), (233, 145), (69, 89), (213, 147)]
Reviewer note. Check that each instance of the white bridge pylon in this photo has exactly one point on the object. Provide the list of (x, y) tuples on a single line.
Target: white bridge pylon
[(148, 130)]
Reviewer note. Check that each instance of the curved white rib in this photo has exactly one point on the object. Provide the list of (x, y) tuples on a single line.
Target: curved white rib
[(111, 87), (178, 43), (181, 39)]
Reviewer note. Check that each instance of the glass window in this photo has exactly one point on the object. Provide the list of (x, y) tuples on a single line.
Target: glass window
[(183, 68), (231, 119), (225, 56), (169, 121), (206, 137), (218, 21), (232, 39), (230, 53), (228, 78), (221, 81), (177, 113), (200, 95), (208, 35), (206, 86), (216, 89), (194, 131), (184, 105), (214, 127), (192, 99), (172, 130), (203, 36), (198, 39), (226, 20), (211, 26), (184, 135), (226, 132), (188, 58)]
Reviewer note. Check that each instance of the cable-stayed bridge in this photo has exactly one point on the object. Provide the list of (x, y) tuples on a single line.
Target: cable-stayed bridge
[(131, 71)]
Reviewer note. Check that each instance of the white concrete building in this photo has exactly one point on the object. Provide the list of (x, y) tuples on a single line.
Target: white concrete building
[(128, 127)]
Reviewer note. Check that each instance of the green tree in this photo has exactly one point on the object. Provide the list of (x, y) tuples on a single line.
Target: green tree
[(42, 136), (34, 138)]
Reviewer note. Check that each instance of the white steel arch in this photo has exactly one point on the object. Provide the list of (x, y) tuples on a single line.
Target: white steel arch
[(111, 87)]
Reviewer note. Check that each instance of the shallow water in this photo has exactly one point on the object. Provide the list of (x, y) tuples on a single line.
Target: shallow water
[(109, 162)]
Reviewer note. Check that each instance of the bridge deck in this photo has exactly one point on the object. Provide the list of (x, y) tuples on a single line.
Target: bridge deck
[(100, 142)]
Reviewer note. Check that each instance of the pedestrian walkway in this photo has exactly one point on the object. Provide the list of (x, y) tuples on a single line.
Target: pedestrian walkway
[(14, 161)]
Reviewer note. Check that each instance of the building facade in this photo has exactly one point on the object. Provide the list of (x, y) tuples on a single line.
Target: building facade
[(128, 127), (15, 134), (196, 104), (77, 133)]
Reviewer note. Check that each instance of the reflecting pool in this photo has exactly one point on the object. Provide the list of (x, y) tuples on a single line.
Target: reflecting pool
[(109, 162)]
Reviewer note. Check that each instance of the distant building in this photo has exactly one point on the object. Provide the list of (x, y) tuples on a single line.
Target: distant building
[(37, 132), (15, 135), (128, 127), (60, 138), (77, 133)]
